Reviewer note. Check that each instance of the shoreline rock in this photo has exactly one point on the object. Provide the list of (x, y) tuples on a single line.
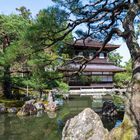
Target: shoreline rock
[(12, 110), (27, 109), (2, 108)]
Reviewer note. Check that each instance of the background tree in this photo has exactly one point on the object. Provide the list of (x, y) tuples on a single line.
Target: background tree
[(24, 58), (11, 30), (44, 60), (123, 79), (116, 58)]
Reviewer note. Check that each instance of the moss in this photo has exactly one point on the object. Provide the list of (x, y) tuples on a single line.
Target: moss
[(89, 134), (118, 101), (12, 103), (45, 102), (124, 132)]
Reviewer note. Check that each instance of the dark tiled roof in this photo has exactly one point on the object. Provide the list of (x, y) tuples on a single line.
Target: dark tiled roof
[(103, 68), (95, 68), (91, 43)]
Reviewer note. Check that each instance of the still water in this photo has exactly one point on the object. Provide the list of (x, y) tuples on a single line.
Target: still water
[(45, 126)]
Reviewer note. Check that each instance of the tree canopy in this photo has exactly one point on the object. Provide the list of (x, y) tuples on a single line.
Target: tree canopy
[(25, 58)]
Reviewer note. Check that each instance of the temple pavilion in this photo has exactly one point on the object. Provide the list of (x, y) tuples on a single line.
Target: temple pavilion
[(99, 72)]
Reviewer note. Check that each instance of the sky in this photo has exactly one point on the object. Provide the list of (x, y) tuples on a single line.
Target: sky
[(9, 6)]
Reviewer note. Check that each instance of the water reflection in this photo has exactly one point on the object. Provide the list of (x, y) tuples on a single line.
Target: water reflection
[(44, 126)]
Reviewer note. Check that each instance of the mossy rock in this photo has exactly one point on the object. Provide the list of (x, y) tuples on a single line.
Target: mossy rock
[(12, 103), (125, 131), (45, 102)]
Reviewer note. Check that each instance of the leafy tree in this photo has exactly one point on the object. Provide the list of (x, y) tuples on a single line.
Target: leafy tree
[(45, 60), (11, 30), (25, 60), (115, 58), (123, 79), (106, 20)]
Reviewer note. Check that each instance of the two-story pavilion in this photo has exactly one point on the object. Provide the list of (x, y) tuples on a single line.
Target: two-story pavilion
[(99, 72)]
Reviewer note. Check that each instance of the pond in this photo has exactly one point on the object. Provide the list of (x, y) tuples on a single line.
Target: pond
[(45, 126)]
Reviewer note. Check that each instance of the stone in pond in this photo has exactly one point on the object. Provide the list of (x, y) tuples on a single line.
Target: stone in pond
[(12, 110), (2, 108), (51, 107), (27, 109)]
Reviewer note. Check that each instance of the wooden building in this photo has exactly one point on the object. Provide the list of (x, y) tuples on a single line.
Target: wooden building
[(97, 73)]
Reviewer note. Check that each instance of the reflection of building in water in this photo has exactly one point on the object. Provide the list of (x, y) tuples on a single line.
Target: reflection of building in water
[(78, 104), (99, 72)]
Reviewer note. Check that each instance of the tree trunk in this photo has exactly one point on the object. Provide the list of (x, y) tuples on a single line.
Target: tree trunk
[(133, 104), (7, 82), (40, 92), (132, 112)]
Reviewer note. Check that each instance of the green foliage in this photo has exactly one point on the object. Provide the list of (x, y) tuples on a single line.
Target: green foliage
[(25, 13), (29, 48), (84, 79), (63, 86), (115, 58), (12, 25), (118, 101), (123, 79), (44, 61), (96, 78)]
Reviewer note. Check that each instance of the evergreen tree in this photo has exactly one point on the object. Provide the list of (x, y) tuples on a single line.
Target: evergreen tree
[(11, 31)]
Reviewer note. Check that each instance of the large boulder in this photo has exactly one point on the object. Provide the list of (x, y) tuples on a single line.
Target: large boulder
[(27, 109), (85, 126)]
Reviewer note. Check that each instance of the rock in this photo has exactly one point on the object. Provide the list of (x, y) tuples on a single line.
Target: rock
[(51, 106), (85, 126), (27, 109), (32, 101), (39, 106), (109, 109), (2, 108), (66, 96), (51, 114), (125, 131), (59, 102), (12, 110)]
